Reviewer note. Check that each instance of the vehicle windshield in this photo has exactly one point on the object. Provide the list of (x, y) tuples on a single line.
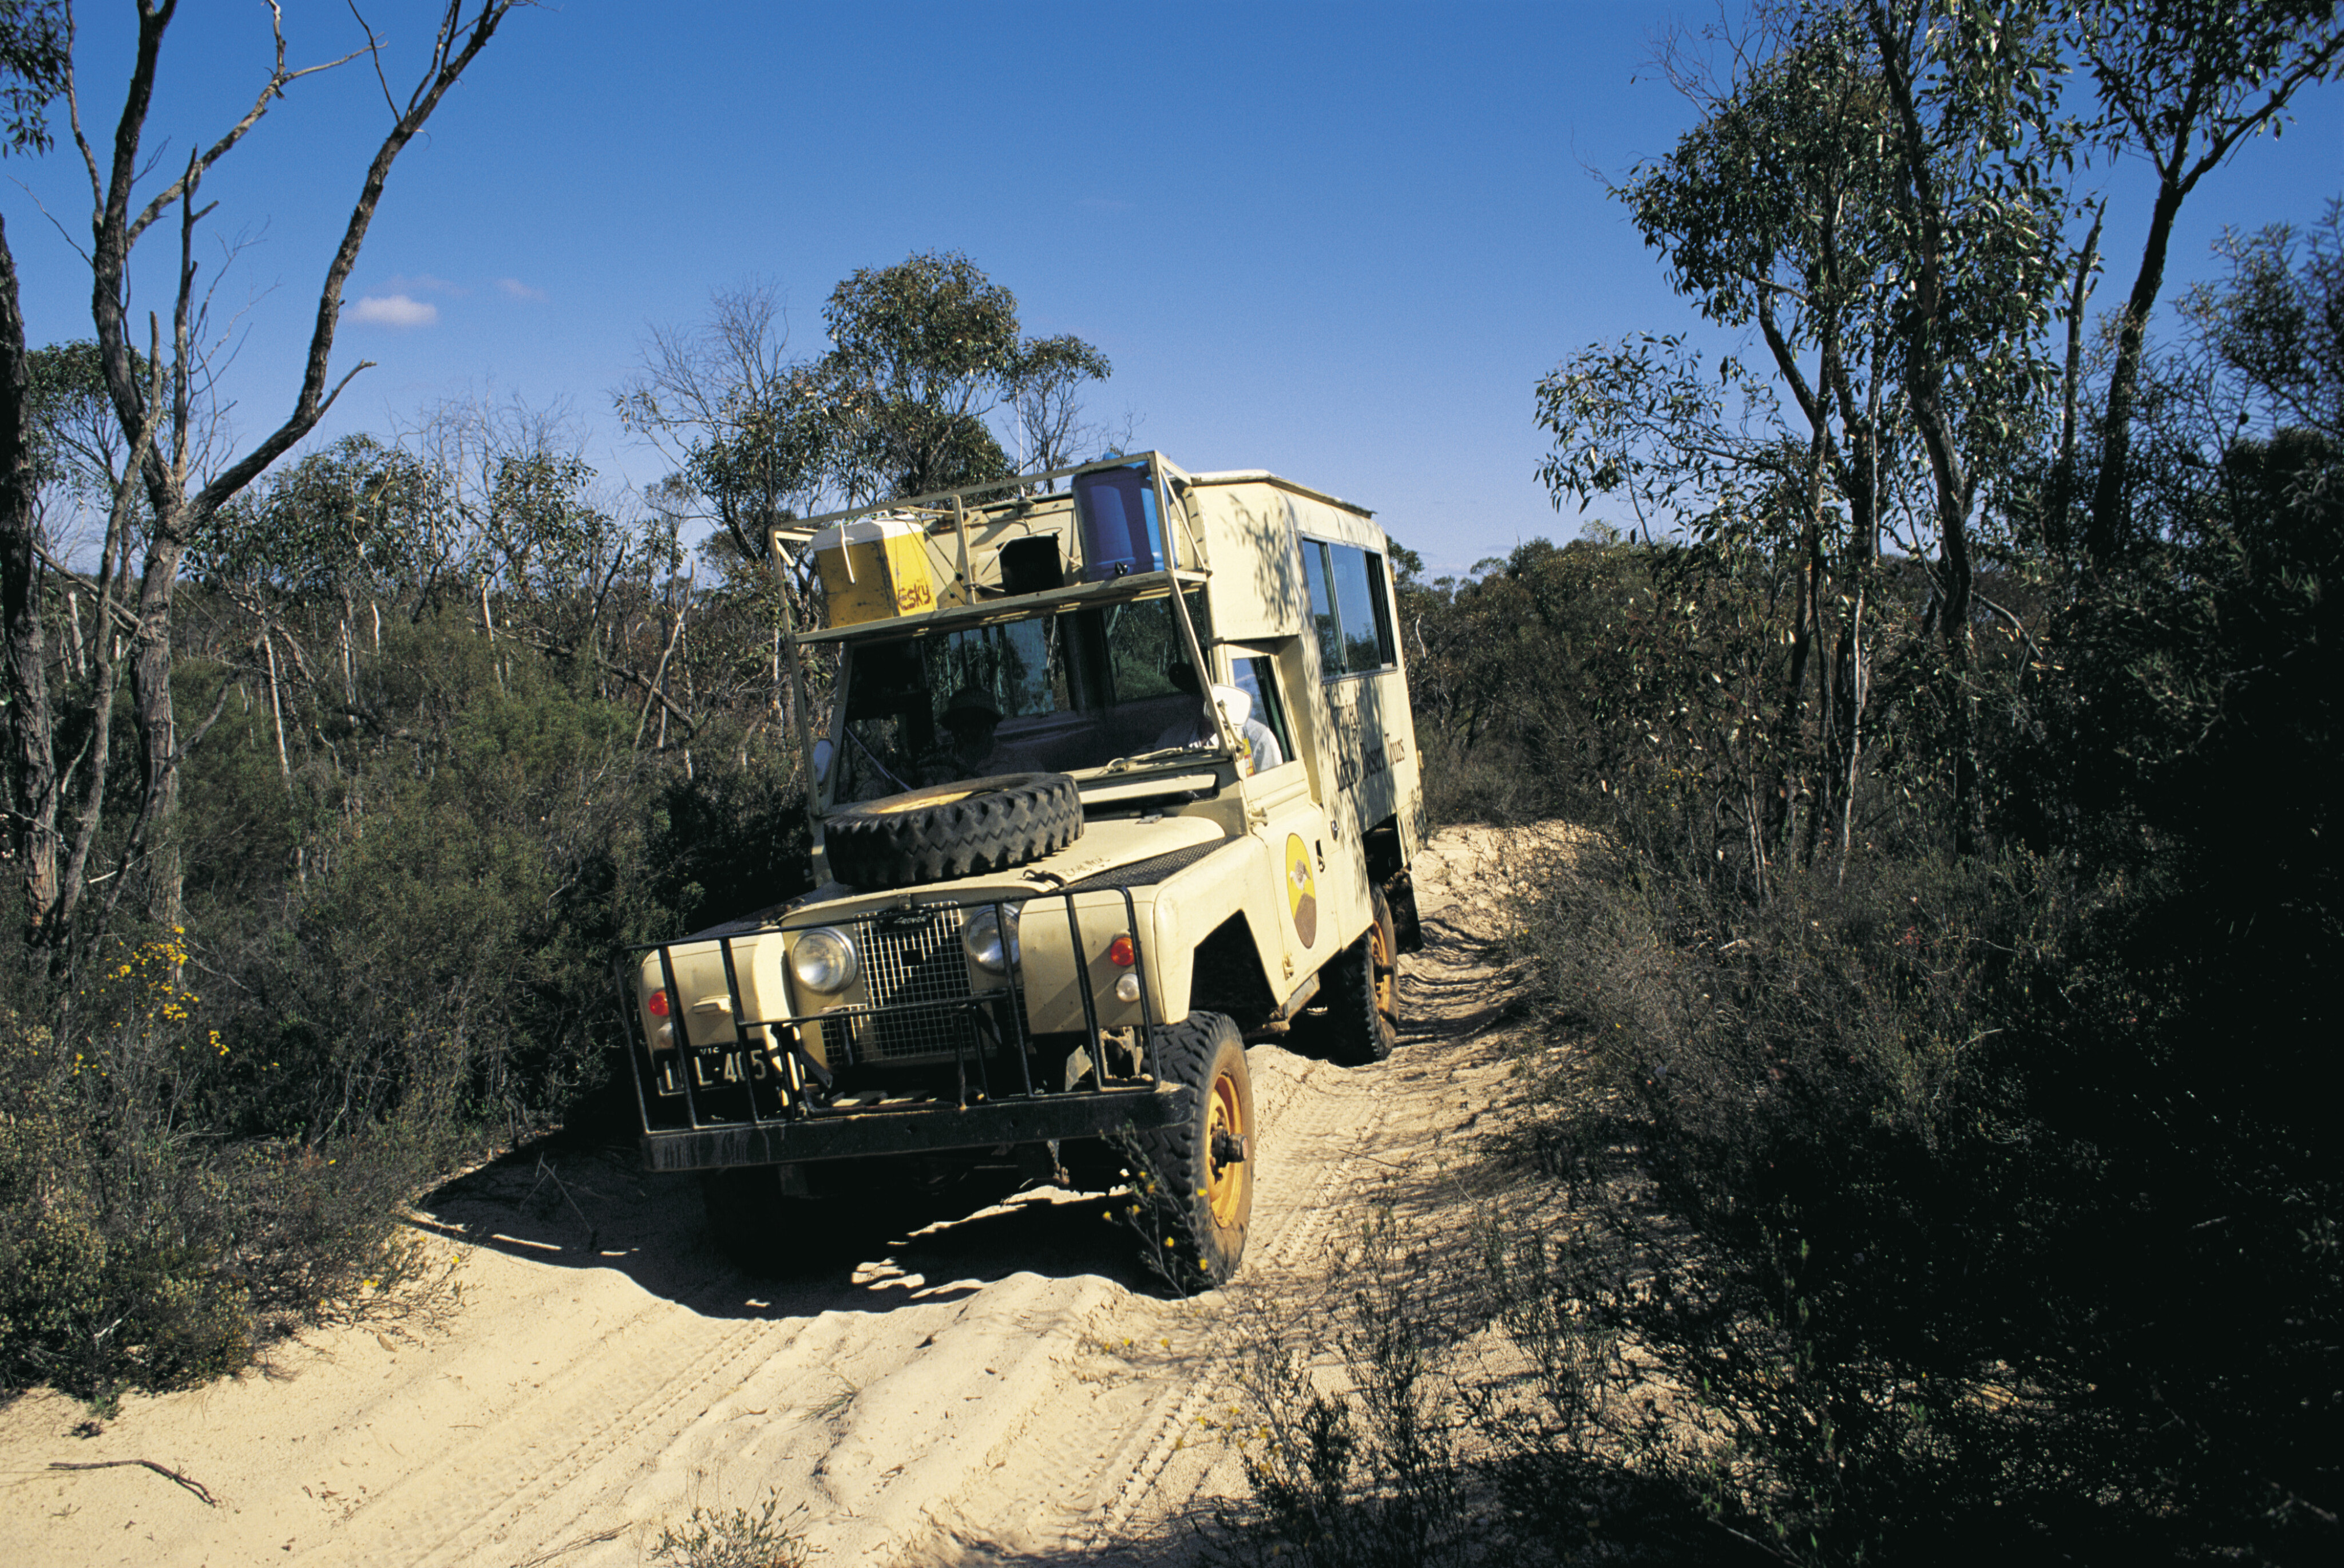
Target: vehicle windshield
[(1053, 693)]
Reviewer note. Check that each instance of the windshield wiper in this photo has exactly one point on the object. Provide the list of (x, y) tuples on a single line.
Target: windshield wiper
[(1163, 753)]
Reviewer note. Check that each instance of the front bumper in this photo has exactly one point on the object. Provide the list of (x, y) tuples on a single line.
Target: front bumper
[(753, 1093), (920, 1130)]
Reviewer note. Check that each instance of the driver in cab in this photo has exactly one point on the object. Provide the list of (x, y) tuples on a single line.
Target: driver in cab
[(967, 748)]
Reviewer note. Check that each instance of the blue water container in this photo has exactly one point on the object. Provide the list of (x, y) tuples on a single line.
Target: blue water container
[(1121, 532)]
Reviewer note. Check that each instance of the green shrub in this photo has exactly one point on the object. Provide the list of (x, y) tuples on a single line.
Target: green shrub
[(89, 1313), (1922, 1190), (139, 1248)]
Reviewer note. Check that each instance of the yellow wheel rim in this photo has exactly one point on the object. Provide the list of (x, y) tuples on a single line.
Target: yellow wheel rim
[(1224, 1120), (1380, 954)]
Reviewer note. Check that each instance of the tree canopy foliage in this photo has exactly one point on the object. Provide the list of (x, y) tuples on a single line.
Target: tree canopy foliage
[(926, 360)]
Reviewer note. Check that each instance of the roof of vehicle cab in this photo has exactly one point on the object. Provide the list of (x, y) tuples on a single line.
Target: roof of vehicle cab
[(1263, 475)]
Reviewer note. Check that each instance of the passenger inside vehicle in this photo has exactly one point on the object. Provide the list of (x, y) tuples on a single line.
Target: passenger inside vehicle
[(1053, 692)]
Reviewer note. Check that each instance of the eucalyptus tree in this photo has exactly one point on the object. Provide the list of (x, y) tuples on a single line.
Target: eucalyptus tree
[(1046, 400), (341, 528), (163, 413), (2184, 83), (2277, 321), (747, 425), (1773, 213), (33, 64), (1703, 457), (922, 354), (1868, 194), (925, 366)]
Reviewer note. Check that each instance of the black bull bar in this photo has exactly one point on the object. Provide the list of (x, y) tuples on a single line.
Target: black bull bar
[(759, 1098)]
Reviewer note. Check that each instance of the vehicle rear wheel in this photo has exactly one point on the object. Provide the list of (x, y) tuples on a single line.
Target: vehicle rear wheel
[(1199, 1175), (1362, 1022), (953, 830)]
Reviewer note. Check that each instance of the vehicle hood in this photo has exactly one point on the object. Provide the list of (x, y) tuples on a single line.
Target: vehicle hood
[(1104, 848)]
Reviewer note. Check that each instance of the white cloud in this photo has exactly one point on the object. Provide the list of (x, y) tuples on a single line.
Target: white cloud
[(514, 288), (396, 310)]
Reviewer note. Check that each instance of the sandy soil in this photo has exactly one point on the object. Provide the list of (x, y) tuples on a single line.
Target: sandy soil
[(1008, 1387)]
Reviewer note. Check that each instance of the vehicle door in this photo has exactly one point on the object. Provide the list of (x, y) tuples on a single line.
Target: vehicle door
[(1285, 809)]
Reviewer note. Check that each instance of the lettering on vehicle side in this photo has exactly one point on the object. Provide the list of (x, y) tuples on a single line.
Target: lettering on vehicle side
[(1358, 755), (1358, 762)]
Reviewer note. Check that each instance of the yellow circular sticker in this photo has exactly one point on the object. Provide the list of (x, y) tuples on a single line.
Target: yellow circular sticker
[(1301, 893)]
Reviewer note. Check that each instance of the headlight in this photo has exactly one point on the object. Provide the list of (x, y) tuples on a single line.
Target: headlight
[(990, 938), (823, 960)]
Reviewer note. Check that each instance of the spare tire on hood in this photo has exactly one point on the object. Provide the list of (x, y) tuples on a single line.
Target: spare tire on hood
[(962, 829)]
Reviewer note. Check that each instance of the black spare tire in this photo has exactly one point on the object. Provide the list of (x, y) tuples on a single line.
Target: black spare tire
[(962, 829)]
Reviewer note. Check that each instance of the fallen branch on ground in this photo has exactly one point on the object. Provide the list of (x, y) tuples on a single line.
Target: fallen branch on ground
[(168, 1474)]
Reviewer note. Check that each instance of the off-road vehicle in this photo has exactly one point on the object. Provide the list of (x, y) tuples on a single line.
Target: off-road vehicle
[(1119, 775)]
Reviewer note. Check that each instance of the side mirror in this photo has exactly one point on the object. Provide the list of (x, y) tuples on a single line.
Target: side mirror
[(823, 751)]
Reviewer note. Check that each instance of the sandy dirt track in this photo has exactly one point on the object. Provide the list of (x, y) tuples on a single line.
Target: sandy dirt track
[(1006, 1387)]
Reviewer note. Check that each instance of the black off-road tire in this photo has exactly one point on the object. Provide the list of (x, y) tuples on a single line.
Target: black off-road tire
[(953, 830), (1198, 1175), (1362, 988)]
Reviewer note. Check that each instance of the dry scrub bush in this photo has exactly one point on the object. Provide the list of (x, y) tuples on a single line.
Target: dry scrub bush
[(733, 1538), (1801, 1170), (135, 1249), (1353, 1464)]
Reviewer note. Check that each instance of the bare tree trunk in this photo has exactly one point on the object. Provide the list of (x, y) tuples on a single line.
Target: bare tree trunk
[(1924, 375), (101, 741), (155, 722), (277, 710), (2062, 465), (1826, 742), (349, 660), (80, 652), (1788, 727), (2109, 508), (1860, 683), (655, 694), (32, 836)]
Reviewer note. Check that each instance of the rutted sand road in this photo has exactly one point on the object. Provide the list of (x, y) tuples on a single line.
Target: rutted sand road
[(1001, 1388)]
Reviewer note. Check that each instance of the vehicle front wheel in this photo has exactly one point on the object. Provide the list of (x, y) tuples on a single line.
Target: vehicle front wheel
[(1199, 1179), (1362, 1023)]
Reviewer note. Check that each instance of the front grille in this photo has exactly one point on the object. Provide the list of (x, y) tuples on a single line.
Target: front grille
[(911, 965)]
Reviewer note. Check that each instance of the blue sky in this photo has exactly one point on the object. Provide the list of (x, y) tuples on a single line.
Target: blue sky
[(1341, 242)]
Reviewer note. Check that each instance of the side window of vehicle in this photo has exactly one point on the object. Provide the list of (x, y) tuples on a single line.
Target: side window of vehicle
[(1350, 608), (1257, 676), (1322, 609), (1361, 604)]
